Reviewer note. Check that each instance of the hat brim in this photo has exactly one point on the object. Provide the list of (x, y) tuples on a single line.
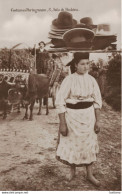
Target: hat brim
[(92, 26), (56, 29), (55, 37), (87, 33), (105, 35), (61, 26), (56, 33)]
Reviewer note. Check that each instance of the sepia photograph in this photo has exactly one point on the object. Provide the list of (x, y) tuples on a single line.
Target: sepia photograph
[(60, 96)]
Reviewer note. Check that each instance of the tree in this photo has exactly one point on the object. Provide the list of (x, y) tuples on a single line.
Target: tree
[(113, 95)]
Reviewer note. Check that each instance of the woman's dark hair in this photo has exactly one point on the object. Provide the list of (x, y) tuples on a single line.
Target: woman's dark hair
[(77, 60), (77, 57), (72, 66)]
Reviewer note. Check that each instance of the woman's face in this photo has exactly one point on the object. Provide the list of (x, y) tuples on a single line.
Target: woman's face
[(83, 66)]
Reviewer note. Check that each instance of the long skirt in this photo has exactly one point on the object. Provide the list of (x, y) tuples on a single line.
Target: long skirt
[(80, 146)]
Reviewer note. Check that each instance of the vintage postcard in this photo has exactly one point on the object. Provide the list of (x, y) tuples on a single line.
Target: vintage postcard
[(60, 96)]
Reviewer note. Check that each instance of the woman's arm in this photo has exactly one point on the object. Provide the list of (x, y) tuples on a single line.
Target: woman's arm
[(63, 126), (97, 105), (61, 97), (97, 123), (97, 114)]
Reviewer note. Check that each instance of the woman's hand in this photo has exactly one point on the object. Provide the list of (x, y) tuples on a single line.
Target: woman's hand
[(63, 125), (63, 128), (97, 124), (97, 127)]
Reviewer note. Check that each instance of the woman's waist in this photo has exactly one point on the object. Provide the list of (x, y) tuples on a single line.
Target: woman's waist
[(75, 100), (79, 103)]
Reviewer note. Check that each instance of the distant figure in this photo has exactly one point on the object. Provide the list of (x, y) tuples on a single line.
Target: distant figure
[(41, 58)]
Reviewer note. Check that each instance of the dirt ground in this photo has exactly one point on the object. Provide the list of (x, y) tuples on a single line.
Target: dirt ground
[(27, 154)]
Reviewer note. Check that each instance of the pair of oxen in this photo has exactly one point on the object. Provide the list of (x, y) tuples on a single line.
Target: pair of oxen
[(25, 94)]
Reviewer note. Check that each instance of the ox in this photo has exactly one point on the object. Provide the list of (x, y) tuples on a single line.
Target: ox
[(17, 93), (11, 94), (38, 88), (4, 88)]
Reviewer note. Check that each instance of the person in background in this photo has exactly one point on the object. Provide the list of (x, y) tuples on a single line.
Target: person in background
[(78, 104), (41, 58)]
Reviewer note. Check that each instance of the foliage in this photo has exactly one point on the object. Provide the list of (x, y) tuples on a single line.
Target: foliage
[(16, 59), (113, 94)]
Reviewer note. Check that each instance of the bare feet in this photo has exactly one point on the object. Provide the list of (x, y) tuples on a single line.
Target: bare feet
[(93, 180), (90, 176), (71, 174)]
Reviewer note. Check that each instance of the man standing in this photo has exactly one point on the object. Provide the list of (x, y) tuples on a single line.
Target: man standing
[(41, 58)]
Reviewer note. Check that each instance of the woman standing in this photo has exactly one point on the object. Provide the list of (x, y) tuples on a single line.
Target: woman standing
[(78, 104)]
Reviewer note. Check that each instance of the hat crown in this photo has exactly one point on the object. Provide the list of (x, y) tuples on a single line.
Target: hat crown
[(87, 21), (65, 18), (79, 55)]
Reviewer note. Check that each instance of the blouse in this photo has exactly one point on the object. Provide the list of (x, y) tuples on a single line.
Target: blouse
[(76, 88)]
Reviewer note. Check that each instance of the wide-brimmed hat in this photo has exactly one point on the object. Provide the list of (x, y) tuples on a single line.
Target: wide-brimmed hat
[(103, 41), (64, 20), (77, 33), (88, 22)]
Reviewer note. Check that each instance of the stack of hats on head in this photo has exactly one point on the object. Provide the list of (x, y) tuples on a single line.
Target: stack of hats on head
[(66, 32), (87, 35), (59, 26), (82, 35)]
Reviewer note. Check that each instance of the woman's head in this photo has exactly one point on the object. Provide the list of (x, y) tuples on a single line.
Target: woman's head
[(81, 62)]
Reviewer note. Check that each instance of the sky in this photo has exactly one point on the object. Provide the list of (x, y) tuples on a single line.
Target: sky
[(31, 26)]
